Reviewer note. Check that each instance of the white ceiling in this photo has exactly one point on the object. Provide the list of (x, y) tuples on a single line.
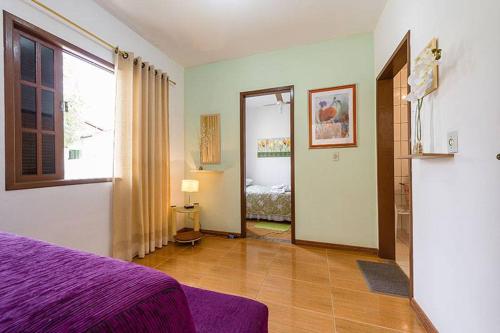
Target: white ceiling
[(255, 102), (194, 32)]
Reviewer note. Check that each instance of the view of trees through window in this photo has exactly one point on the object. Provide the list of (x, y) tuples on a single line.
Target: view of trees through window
[(88, 105)]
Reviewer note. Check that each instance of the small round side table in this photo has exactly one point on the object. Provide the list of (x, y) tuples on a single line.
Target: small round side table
[(187, 236)]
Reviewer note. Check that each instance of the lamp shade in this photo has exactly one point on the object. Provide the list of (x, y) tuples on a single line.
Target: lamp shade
[(189, 185)]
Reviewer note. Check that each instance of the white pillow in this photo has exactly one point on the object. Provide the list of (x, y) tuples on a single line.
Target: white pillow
[(248, 181)]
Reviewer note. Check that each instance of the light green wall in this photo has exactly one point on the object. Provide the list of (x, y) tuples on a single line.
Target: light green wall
[(335, 201)]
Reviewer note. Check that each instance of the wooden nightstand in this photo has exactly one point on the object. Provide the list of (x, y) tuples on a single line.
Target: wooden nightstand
[(187, 236)]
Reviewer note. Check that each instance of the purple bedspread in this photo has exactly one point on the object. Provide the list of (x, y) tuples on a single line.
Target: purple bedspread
[(219, 313), (46, 288)]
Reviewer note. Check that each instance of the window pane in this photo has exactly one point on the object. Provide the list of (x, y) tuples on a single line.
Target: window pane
[(47, 67), (28, 59), (47, 110), (73, 154), (89, 99), (48, 154), (28, 106), (29, 155)]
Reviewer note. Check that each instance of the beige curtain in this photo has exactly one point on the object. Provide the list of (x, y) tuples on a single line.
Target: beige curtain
[(141, 184)]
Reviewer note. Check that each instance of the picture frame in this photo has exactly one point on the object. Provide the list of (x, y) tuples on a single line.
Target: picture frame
[(432, 45), (274, 147), (210, 139), (332, 117)]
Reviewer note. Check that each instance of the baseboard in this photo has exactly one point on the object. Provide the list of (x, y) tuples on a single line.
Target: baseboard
[(297, 241), (219, 233), (212, 232), (337, 246), (426, 322)]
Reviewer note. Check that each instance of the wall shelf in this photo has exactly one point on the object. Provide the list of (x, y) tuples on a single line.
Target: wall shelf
[(207, 171), (425, 156)]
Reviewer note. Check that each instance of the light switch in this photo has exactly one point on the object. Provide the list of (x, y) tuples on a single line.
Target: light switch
[(335, 156), (453, 142)]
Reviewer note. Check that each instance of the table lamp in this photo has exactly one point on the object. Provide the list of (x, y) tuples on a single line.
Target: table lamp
[(189, 186)]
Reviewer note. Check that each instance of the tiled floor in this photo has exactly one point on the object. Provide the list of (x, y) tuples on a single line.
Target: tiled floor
[(403, 255), (307, 289), (275, 236)]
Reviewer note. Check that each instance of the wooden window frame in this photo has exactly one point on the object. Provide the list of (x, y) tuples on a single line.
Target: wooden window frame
[(39, 131), (14, 25)]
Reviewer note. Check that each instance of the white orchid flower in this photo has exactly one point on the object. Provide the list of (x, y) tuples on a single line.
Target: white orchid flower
[(420, 81), (422, 76)]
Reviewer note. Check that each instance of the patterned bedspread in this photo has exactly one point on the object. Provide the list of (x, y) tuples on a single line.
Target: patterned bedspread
[(263, 203)]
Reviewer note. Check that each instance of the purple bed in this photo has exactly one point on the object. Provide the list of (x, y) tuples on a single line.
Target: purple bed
[(47, 288)]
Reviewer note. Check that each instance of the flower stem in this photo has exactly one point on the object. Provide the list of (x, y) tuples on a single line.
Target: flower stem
[(418, 130)]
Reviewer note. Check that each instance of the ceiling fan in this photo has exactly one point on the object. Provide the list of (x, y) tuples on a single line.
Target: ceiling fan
[(279, 101)]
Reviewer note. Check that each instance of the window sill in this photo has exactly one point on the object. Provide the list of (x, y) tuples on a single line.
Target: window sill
[(52, 183)]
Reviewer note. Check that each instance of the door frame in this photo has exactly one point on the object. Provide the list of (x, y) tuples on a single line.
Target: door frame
[(385, 155), (243, 96)]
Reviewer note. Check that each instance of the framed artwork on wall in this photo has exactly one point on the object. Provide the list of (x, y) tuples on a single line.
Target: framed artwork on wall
[(332, 117), (210, 142), (274, 147)]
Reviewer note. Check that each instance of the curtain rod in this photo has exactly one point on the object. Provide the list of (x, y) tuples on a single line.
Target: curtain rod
[(82, 29)]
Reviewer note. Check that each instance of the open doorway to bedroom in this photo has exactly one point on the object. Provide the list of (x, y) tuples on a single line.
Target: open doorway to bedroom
[(267, 168)]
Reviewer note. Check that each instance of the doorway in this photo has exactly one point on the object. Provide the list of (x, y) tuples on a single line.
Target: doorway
[(267, 164), (393, 163)]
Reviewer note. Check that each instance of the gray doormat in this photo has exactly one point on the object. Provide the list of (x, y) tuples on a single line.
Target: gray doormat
[(384, 278)]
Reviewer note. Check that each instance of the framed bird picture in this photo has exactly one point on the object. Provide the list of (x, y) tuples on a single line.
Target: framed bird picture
[(332, 117)]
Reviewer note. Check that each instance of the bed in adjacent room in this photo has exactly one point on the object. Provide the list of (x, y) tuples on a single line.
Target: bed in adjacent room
[(271, 203)]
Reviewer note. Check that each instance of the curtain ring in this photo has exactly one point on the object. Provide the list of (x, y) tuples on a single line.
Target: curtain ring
[(135, 61), (156, 72), (125, 55), (143, 64), (117, 50)]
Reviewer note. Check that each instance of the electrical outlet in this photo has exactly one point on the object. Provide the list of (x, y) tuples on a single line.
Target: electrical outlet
[(453, 142), (335, 156)]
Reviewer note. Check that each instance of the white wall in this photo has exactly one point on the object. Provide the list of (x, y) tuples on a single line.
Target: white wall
[(79, 216), (264, 123), (456, 202)]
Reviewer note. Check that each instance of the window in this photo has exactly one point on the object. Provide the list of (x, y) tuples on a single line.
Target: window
[(59, 110), (88, 94)]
